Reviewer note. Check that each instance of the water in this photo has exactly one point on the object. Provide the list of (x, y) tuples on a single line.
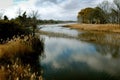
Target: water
[(58, 29), (73, 59)]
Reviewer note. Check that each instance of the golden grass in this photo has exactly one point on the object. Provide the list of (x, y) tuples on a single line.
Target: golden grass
[(100, 33), (96, 27), (14, 47), (12, 56), (18, 71), (101, 37), (21, 45)]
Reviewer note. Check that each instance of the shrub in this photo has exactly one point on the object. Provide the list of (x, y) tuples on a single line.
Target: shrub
[(10, 28)]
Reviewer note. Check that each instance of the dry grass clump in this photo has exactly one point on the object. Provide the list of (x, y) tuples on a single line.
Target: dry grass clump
[(20, 46), (19, 58), (18, 71), (14, 47)]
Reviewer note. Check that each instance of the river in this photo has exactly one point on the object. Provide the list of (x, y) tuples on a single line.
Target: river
[(71, 58)]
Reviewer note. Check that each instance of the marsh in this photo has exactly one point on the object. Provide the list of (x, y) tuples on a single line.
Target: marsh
[(84, 55)]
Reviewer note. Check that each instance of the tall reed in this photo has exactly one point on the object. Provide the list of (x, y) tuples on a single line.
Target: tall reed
[(19, 58)]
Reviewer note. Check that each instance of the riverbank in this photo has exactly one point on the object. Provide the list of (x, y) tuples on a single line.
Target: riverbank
[(98, 33), (95, 27)]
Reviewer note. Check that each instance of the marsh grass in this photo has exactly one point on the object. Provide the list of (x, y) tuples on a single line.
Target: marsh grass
[(21, 46), (19, 58), (101, 37), (105, 43), (55, 34), (18, 71), (96, 27)]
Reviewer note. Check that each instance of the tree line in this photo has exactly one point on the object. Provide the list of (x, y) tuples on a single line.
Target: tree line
[(105, 12)]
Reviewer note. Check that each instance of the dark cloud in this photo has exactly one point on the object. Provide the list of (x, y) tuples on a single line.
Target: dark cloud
[(78, 4), (42, 2)]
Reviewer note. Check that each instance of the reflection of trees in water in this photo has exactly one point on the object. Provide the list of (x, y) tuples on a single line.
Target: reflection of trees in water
[(101, 38), (105, 43), (113, 50), (91, 36), (110, 45)]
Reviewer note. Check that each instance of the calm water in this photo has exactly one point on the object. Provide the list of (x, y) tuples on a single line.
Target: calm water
[(58, 29), (73, 59)]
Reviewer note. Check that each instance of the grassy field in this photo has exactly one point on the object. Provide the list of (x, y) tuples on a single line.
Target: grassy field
[(96, 27)]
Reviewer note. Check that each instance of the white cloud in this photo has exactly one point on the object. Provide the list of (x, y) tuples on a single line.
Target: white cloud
[(65, 10), (24, 5), (50, 9), (5, 4)]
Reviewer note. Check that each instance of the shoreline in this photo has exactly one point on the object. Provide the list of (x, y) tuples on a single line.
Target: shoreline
[(115, 28)]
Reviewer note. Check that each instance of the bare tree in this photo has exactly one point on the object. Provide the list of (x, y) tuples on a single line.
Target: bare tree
[(19, 12), (117, 3), (106, 7), (34, 16), (1, 13)]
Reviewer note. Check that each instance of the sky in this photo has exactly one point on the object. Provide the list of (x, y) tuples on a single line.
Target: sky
[(48, 9)]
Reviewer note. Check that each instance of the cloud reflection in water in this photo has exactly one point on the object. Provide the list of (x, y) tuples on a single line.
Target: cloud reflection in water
[(73, 57)]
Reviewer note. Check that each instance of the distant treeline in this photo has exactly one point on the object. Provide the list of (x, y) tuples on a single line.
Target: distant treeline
[(53, 21), (105, 12)]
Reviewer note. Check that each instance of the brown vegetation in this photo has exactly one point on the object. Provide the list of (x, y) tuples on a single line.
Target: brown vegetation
[(15, 46), (105, 43), (19, 57), (96, 27), (18, 71), (19, 54)]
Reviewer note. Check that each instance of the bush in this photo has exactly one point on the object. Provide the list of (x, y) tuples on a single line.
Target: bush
[(10, 28)]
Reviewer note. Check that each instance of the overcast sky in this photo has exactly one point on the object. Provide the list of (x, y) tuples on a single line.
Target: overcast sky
[(48, 9)]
